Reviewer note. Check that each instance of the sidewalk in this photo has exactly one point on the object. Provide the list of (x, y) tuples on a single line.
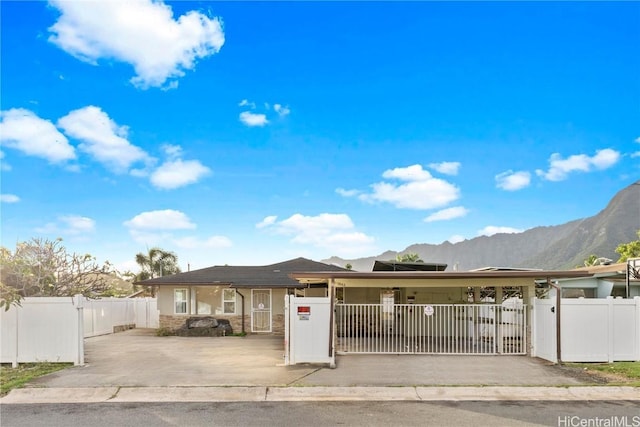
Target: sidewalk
[(281, 394)]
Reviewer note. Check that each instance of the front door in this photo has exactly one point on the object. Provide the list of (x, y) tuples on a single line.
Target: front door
[(261, 310)]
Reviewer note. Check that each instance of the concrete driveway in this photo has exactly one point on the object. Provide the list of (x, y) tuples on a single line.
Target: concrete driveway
[(138, 358)]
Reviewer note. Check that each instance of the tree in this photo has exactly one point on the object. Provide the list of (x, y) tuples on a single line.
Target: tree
[(44, 268), (629, 250), (156, 263), (593, 260), (348, 266), (408, 257)]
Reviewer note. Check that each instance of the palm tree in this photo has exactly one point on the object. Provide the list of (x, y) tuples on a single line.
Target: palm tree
[(156, 263)]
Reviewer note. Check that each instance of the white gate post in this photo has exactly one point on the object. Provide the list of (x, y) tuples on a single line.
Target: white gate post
[(79, 303), (287, 323), (637, 319), (534, 330)]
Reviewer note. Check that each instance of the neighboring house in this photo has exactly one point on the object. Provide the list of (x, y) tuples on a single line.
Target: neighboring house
[(607, 280), (251, 298)]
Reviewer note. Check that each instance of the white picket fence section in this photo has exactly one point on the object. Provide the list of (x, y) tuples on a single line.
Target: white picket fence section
[(592, 329), (53, 329)]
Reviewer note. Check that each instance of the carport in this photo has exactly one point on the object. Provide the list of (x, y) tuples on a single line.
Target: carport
[(484, 312)]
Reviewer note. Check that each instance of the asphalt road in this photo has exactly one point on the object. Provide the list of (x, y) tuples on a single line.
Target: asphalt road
[(318, 414)]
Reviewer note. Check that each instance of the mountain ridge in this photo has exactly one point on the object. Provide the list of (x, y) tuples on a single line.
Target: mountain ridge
[(554, 247)]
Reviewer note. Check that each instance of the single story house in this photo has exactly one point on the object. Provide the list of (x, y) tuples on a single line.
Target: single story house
[(251, 298), (604, 281)]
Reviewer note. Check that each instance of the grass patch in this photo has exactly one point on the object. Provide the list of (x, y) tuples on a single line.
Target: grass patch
[(616, 372), (11, 378)]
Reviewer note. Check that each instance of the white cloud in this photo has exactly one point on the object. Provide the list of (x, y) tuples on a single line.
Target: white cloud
[(178, 173), (9, 198), (447, 214), (267, 221), (172, 151), (560, 168), (4, 166), (247, 103), (281, 110), (167, 219), (447, 168), (422, 191), (334, 232), (213, 242), (410, 173), (253, 119), (102, 138), (512, 181), (23, 130), (456, 238), (637, 153), (490, 230), (73, 225), (78, 224), (347, 193), (142, 33)]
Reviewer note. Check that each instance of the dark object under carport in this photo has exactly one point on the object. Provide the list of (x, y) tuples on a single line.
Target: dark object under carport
[(205, 327)]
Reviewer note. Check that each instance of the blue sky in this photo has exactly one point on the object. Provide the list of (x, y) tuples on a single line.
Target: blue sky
[(250, 133)]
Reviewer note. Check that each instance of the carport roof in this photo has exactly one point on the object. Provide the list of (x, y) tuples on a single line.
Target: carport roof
[(265, 276)]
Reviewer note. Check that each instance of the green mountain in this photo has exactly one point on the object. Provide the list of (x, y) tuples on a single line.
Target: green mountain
[(555, 247)]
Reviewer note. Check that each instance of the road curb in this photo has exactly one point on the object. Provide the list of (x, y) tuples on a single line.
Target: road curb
[(301, 394)]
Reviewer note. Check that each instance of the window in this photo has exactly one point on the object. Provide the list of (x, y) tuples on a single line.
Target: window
[(229, 301), (180, 301)]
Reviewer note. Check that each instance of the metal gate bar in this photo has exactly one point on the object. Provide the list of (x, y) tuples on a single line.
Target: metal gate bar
[(431, 328)]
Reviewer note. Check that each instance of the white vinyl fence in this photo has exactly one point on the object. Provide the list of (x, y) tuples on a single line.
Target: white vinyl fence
[(53, 329), (592, 330)]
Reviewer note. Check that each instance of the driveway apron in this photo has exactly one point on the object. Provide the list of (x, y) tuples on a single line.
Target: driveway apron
[(139, 358)]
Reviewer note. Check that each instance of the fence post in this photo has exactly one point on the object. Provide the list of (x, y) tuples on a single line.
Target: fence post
[(610, 330), (287, 320), (637, 318), (534, 330), (14, 362), (79, 303)]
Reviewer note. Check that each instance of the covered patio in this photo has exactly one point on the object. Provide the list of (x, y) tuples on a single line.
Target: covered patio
[(433, 312)]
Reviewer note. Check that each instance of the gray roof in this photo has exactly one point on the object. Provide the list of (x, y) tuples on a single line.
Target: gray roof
[(264, 276)]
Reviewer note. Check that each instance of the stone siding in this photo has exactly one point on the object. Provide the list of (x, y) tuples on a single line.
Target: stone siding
[(173, 322), (278, 324)]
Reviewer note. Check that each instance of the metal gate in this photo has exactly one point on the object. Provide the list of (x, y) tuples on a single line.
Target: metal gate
[(261, 310), (431, 328)]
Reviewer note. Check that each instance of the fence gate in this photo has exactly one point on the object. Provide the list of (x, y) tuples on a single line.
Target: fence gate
[(431, 328)]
